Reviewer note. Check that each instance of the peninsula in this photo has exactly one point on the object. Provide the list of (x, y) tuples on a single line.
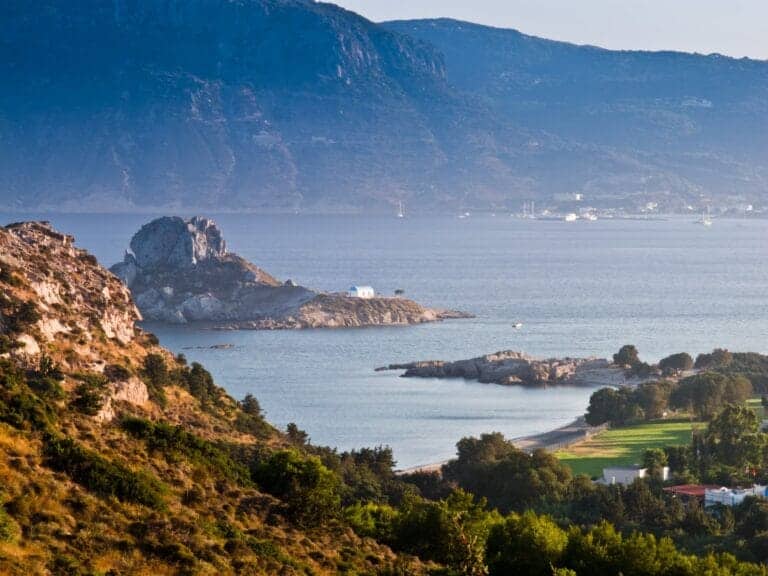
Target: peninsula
[(516, 368), (179, 271)]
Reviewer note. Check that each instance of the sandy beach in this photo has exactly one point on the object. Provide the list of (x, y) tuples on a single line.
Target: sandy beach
[(551, 440)]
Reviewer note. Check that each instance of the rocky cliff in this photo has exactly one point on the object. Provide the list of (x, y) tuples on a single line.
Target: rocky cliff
[(179, 271), (515, 368)]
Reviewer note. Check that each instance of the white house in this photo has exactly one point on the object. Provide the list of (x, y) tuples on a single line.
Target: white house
[(361, 292), (731, 496), (627, 474)]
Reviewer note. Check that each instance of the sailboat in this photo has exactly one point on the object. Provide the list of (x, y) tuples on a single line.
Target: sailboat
[(706, 220), (400, 210)]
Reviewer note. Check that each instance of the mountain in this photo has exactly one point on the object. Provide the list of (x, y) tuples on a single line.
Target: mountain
[(669, 125), (286, 105)]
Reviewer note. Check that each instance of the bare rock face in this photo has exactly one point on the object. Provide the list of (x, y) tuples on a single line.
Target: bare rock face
[(179, 271), (515, 368), (172, 242), (60, 292)]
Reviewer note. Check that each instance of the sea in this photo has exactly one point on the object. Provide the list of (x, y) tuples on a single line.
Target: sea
[(579, 289)]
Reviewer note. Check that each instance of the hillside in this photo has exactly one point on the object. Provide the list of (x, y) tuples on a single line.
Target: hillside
[(117, 458), (286, 105)]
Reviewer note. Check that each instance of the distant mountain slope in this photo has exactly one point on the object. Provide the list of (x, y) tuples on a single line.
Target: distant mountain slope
[(690, 117), (282, 105)]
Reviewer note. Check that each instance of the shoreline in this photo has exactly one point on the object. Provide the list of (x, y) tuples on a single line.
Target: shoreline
[(551, 440)]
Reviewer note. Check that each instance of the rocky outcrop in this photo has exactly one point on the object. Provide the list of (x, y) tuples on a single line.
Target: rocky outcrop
[(51, 291), (179, 271), (515, 368)]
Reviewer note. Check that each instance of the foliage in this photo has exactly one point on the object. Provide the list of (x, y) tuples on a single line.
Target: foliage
[(676, 363), (493, 468), (100, 475), (525, 544), (452, 531), (89, 393), (19, 405), (706, 393), (310, 491), (175, 443), (718, 358), (626, 356)]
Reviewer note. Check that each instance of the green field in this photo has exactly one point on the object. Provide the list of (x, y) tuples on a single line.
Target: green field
[(624, 446), (757, 405)]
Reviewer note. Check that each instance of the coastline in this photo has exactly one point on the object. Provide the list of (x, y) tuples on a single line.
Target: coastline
[(551, 440)]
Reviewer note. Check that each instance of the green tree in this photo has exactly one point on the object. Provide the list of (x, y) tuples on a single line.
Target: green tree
[(733, 438), (310, 491), (676, 363), (626, 356), (705, 394), (525, 544), (510, 479), (654, 459)]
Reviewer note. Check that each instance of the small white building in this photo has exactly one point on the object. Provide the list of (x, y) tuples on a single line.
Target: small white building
[(731, 496), (625, 475), (361, 292)]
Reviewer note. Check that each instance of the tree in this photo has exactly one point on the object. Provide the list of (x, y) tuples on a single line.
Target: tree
[(626, 356), (510, 479), (706, 393), (733, 438), (525, 544), (653, 398), (676, 363), (309, 489), (250, 405), (654, 459), (716, 359)]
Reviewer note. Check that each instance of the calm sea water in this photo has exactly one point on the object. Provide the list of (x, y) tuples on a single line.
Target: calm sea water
[(580, 289)]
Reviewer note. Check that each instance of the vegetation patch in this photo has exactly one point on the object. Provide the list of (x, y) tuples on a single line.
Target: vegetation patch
[(176, 443), (100, 475)]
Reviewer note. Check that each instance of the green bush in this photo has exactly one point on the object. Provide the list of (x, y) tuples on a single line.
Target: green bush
[(309, 489), (100, 475), (89, 394), (176, 443)]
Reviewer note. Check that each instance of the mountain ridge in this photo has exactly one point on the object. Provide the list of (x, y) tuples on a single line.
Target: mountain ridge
[(285, 106)]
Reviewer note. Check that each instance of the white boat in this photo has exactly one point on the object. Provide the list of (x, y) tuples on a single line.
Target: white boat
[(517, 325), (464, 215), (591, 217), (571, 217), (706, 220), (400, 210)]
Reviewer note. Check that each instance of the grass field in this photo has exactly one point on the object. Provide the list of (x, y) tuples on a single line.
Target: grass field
[(757, 405), (624, 446)]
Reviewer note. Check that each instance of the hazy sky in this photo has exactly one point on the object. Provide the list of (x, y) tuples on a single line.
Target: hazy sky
[(733, 27)]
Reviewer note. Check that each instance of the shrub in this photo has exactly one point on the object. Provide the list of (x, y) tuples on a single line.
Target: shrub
[(175, 443), (89, 394), (116, 373), (100, 475), (309, 489)]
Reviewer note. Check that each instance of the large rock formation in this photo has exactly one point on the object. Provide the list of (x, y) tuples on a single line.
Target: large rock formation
[(515, 368), (179, 271)]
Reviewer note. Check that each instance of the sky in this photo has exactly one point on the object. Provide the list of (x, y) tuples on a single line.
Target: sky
[(733, 27)]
